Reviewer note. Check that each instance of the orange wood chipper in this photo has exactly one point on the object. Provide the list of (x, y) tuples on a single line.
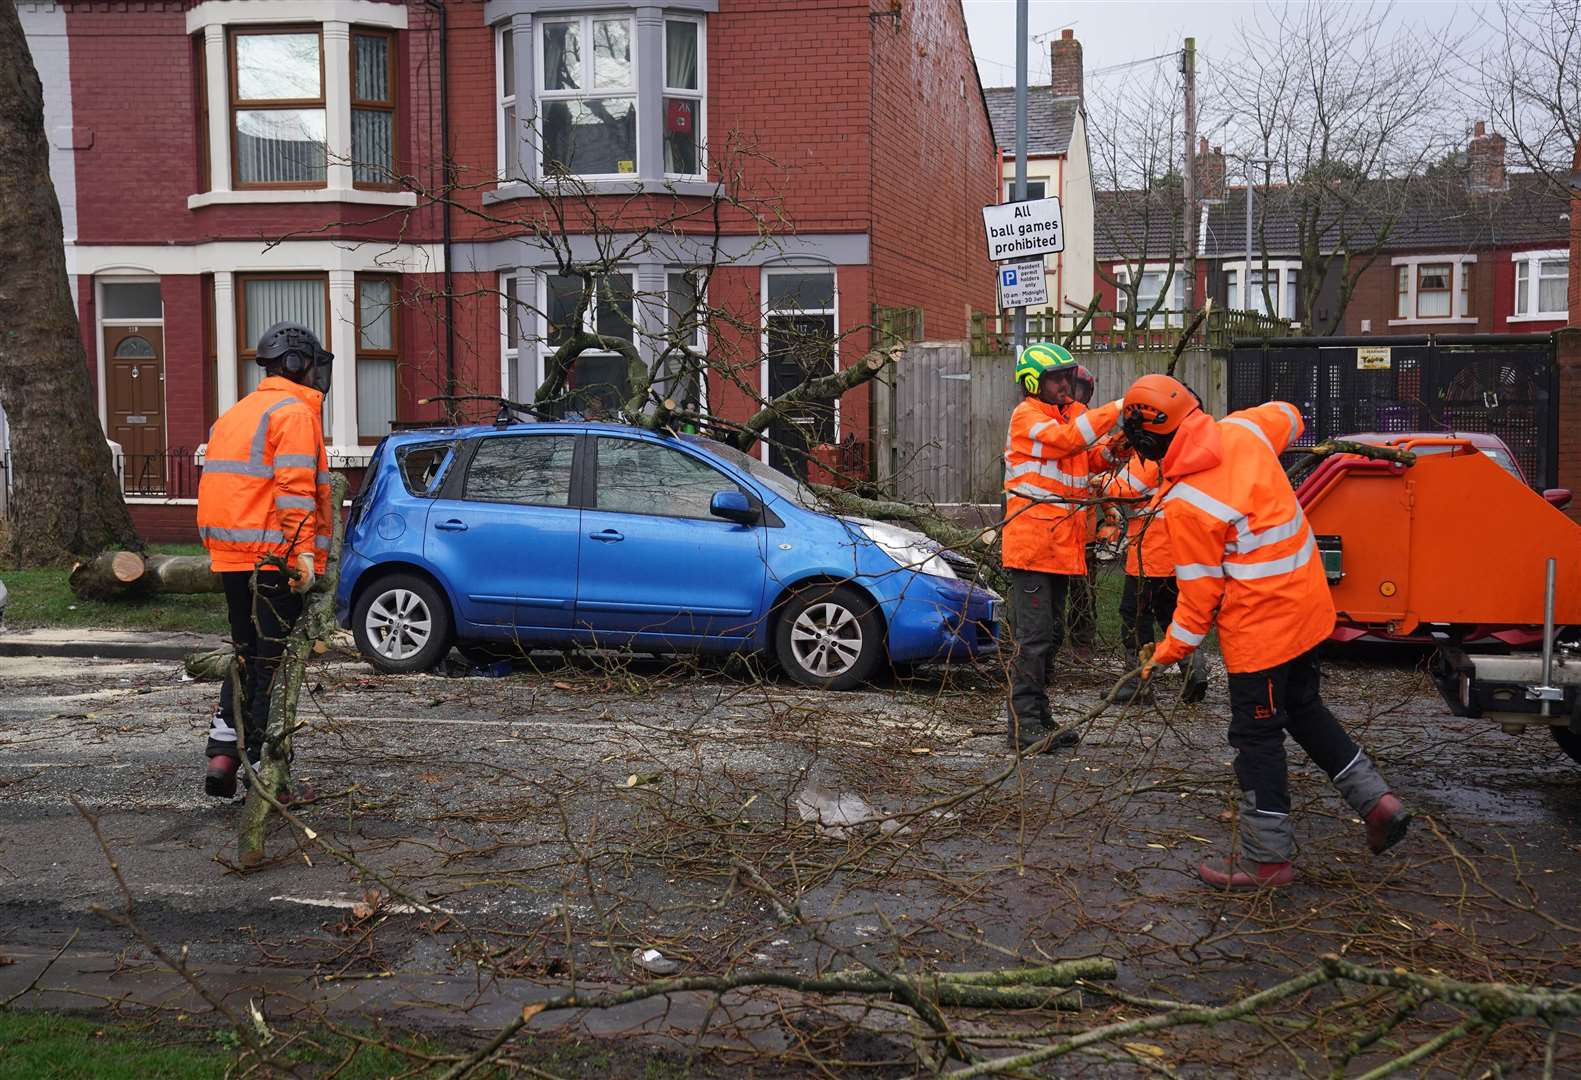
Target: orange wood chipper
[(1456, 551)]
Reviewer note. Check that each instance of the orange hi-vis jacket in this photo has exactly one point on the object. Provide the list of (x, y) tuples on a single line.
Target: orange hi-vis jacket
[(265, 486), (1241, 543), (1147, 548), (1050, 452)]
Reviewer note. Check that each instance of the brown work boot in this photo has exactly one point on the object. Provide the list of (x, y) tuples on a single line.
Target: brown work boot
[(1238, 874), (1386, 824)]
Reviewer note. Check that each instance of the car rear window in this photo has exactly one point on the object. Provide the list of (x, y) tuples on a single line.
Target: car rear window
[(423, 466)]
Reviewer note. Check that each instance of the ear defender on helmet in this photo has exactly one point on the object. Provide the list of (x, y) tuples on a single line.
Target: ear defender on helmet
[(1152, 412)]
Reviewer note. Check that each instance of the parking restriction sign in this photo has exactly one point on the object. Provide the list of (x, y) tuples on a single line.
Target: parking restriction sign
[(1022, 284)]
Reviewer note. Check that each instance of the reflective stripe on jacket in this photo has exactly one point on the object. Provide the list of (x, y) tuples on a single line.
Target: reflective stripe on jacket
[(1241, 544), (265, 485), (1050, 452), (1147, 549)]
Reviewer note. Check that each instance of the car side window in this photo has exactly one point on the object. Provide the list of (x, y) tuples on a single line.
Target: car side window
[(636, 477), (533, 470), (423, 466)]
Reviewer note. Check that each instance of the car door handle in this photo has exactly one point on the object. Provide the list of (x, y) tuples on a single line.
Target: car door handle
[(451, 526), (607, 536)]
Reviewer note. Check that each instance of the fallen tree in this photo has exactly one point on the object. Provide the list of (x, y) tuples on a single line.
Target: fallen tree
[(126, 574)]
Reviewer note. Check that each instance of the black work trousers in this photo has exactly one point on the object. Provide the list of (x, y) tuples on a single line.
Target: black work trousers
[(260, 619), (1084, 603), (1264, 707), (1037, 612), (1147, 605)]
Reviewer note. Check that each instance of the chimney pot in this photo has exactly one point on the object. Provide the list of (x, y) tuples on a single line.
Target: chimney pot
[(1067, 34), (1481, 129)]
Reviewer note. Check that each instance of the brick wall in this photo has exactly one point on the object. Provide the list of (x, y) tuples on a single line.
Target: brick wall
[(1575, 241), (935, 167)]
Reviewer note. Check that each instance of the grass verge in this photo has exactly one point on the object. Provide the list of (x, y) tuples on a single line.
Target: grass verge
[(41, 598)]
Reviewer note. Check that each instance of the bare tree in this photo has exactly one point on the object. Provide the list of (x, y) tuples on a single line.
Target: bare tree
[(1132, 129), (65, 500), (1531, 83), (1346, 106)]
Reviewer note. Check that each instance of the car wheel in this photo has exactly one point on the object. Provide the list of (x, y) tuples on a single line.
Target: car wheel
[(402, 624), (1569, 741), (829, 636)]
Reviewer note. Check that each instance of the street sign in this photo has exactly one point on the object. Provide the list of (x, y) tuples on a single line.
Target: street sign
[(1022, 284), (1024, 229)]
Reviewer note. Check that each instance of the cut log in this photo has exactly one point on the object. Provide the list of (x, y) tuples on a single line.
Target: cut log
[(106, 575), (124, 574)]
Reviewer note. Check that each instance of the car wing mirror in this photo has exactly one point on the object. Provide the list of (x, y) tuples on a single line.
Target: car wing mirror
[(733, 506), (1558, 498)]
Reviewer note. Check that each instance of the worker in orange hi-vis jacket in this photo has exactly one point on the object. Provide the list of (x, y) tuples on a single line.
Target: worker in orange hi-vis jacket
[(264, 514), (1051, 448), (1243, 549), (1147, 600), (1083, 607)]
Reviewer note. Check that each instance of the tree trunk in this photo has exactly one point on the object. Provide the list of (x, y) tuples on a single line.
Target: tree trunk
[(126, 574), (65, 499)]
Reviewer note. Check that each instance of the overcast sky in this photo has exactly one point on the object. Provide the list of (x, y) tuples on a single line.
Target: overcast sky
[(1119, 31)]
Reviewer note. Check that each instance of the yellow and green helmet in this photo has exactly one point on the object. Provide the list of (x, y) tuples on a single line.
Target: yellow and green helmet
[(1037, 360)]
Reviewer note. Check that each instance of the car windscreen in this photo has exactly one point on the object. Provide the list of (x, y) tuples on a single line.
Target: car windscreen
[(781, 484), (1501, 457)]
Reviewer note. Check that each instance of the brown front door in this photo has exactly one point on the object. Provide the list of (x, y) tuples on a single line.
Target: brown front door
[(134, 367)]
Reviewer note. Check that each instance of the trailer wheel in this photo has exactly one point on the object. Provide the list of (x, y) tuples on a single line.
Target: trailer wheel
[(1569, 741)]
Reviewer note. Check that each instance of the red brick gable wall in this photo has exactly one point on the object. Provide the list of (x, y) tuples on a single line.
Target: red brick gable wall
[(1575, 240)]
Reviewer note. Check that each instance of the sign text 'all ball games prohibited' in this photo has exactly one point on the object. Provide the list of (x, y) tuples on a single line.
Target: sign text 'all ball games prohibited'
[(1024, 230)]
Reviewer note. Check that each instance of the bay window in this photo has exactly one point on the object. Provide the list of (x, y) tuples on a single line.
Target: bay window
[(378, 353), (616, 97), (1432, 290), (1542, 279), (294, 111), (540, 315), (278, 125), (587, 95)]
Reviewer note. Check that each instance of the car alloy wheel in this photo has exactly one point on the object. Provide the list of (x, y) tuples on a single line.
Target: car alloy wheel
[(398, 624), (827, 639)]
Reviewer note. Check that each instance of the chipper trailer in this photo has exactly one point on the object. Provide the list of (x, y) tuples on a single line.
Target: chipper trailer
[(1455, 550)]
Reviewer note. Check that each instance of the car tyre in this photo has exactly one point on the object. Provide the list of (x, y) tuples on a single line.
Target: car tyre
[(829, 636), (1569, 741), (402, 624)]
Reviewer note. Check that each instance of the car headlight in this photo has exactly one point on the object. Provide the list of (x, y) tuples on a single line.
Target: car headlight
[(910, 549)]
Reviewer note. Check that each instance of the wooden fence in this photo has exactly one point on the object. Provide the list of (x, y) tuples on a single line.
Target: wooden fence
[(991, 333), (941, 413)]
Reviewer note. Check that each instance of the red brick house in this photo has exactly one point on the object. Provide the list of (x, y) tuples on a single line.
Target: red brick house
[(1472, 249), (226, 163)]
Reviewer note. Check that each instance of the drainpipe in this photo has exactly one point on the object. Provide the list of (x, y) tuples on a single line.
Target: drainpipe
[(444, 152)]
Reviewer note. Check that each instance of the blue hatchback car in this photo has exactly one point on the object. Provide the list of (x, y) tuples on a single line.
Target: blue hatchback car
[(561, 534)]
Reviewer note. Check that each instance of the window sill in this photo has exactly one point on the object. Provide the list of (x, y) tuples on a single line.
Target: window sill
[(1469, 320), (634, 186), (302, 195), (1546, 316)]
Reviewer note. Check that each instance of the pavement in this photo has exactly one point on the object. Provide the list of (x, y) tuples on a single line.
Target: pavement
[(105, 644), (479, 843)]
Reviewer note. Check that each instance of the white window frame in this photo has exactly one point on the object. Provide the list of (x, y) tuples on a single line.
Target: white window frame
[(763, 337), (538, 338), (1460, 266), (502, 101), (1533, 261), (700, 345), (336, 20), (1240, 298), (1177, 289), (584, 21), (1010, 187), (700, 95)]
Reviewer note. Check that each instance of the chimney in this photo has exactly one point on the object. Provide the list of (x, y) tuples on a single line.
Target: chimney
[(1485, 161), (1065, 64), (1210, 172)]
